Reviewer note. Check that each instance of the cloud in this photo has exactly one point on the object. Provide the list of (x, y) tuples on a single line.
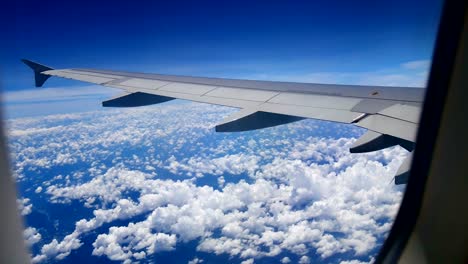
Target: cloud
[(24, 206), (232, 164), (191, 212), (47, 101), (354, 261), (300, 192), (417, 65), (135, 241), (195, 261), (59, 250), (56, 94), (304, 260), (31, 236)]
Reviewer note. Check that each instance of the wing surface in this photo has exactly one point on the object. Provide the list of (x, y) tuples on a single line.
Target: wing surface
[(391, 114)]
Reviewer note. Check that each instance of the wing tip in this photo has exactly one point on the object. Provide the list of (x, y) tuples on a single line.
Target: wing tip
[(38, 68)]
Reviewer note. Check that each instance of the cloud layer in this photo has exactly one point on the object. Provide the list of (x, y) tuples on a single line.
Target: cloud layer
[(170, 179)]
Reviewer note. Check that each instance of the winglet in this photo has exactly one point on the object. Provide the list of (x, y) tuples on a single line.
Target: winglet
[(38, 69)]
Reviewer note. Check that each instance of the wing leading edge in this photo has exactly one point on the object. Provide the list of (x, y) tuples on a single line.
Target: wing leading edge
[(391, 114)]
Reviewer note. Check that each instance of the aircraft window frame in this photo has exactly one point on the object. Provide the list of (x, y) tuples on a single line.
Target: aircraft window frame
[(447, 41), (443, 62)]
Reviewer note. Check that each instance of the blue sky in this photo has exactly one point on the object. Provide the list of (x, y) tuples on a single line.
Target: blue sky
[(241, 39)]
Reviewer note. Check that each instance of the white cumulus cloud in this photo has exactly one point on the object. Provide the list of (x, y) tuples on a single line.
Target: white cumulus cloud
[(290, 189)]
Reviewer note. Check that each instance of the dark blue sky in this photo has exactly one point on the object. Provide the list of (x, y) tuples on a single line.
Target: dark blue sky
[(215, 38)]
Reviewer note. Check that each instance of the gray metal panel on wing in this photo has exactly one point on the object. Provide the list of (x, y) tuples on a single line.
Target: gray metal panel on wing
[(143, 83), (242, 94), (318, 101), (111, 76), (405, 112), (79, 76), (408, 94), (192, 97), (390, 126), (372, 106), (195, 89)]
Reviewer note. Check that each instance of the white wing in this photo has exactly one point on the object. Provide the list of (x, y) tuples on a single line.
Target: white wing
[(391, 114)]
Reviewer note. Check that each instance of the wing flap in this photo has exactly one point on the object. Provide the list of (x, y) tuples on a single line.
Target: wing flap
[(408, 113), (372, 106), (390, 126), (328, 114)]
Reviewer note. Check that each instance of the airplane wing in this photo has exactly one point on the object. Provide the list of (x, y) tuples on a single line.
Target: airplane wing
[(391, 114)]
